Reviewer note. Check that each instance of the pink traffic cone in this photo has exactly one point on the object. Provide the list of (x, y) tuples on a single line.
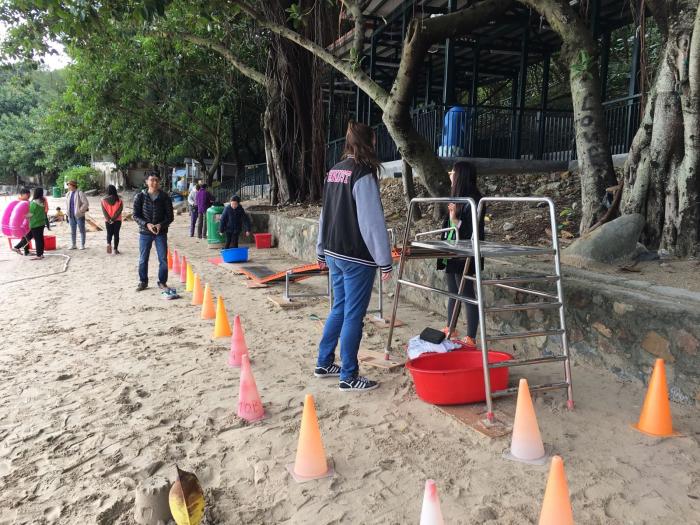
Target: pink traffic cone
[(238, 344), (249, 405), (176, 263), (183, 270), (430, 513)]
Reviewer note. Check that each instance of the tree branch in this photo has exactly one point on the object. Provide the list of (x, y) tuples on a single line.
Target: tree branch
[(424, 32), (246, 70), (358, 41), (462, 22), (359, 78)]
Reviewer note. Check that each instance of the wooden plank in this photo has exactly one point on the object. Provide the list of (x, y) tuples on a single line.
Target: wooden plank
[(474, 416), (383, 323), (253, 284), (231, 267), (282, 302), (372, 358)]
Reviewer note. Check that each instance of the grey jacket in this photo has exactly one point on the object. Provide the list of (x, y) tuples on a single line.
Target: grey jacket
[(80, 204)]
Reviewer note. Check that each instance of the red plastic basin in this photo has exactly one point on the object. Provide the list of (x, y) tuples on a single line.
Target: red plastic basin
[(263, 240), (457, 377)]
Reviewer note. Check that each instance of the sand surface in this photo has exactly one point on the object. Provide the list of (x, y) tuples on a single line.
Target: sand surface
[(101, 387)]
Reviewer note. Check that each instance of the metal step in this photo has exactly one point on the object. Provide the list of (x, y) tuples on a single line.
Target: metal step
[(537, 388), (521, 280), (522, 306), (533, 361), (523, 335)]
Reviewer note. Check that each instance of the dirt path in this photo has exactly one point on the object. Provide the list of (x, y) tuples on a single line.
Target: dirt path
[(101, 387)]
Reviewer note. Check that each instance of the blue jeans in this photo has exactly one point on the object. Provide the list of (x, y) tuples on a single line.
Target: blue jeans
[(77, 222), (145, 242), (352, 289)]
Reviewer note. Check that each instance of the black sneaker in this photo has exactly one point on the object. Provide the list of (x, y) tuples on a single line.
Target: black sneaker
[(141, 287), (359, 384), (327, 371)]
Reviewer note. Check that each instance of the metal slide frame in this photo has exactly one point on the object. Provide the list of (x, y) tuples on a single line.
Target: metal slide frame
[(476, 249)]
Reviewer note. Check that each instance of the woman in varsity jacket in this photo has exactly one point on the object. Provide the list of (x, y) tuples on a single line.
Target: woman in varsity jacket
[(352, 242)]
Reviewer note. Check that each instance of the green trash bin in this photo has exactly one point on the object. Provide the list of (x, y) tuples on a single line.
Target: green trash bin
[(56, 192), (214, 238)]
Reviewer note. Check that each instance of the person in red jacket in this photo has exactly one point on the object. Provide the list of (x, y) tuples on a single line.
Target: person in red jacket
[(112, 207)]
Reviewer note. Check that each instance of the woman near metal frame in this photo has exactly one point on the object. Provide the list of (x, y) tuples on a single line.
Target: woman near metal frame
[(463, 179), (352, 243)]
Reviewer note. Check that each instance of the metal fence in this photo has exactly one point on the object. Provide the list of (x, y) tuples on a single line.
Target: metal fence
[(491, 131), (255, 184)]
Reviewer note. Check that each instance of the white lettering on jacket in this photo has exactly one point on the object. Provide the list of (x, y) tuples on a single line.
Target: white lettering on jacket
[(339, 176)]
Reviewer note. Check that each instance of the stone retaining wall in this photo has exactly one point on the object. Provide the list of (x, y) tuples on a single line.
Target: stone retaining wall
[(612, 322)]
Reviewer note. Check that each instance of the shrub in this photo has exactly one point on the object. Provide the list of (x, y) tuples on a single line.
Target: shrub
[(87, 178)]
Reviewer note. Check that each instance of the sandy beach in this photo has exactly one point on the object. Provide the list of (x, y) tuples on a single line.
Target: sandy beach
[(101, 387)]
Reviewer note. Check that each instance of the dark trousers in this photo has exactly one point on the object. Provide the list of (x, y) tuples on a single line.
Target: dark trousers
[(193, 219), (38, 235), (472, 310), (113, 232), (146, 240), (232, 239), (202, 224)]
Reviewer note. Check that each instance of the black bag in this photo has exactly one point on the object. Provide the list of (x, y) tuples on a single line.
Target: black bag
[(432, 336)]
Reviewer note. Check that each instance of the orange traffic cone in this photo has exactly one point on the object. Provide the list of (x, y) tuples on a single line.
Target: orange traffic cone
[(170, 260), (197, 293), (526, 443), (176, 263), (655, 418), (183, 270), (208, 310), (311, 462), (430, 513), (189, 278), (556, 506), (222, 328), (249, 405), (238, 346)]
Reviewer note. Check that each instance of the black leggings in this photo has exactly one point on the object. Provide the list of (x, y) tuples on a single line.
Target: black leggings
[(113, 231), (38, 235), (472, 310), (232, 240)]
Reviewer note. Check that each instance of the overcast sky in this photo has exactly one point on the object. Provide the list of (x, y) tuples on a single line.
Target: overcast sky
[(54, 61)]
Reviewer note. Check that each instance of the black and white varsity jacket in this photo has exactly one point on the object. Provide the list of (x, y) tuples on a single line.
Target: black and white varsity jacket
[(352, 225)]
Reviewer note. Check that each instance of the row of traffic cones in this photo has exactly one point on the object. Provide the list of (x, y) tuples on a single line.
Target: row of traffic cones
[(249, 403), (311, 461)]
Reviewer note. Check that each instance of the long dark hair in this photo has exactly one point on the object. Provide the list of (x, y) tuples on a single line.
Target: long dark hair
[(112, 191), (464, 182), (38, 194), (359, 144)]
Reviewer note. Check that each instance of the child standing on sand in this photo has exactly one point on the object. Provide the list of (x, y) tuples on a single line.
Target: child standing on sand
[(112, 207), (37, 221), (233, 221)]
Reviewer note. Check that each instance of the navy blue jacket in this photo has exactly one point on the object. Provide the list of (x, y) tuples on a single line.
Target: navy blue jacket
[(234, 219)]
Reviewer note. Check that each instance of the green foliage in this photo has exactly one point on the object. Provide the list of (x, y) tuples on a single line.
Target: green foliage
[(584, 63), (29, 146), (87, 178)]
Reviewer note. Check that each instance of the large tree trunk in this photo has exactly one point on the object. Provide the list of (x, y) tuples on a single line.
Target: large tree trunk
[(661, 173), (294, 116), (580, 55)]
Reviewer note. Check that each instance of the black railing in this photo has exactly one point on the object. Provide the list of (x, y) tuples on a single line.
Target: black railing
[(490, 131), (254, 184)]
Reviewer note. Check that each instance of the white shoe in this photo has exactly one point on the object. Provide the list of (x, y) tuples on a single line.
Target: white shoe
[(74, 247), (82, 247)]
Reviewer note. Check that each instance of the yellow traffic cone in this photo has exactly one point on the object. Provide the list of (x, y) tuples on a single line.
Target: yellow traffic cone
[(197, 293), (208, 311), (189, 278), (222, 328)]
